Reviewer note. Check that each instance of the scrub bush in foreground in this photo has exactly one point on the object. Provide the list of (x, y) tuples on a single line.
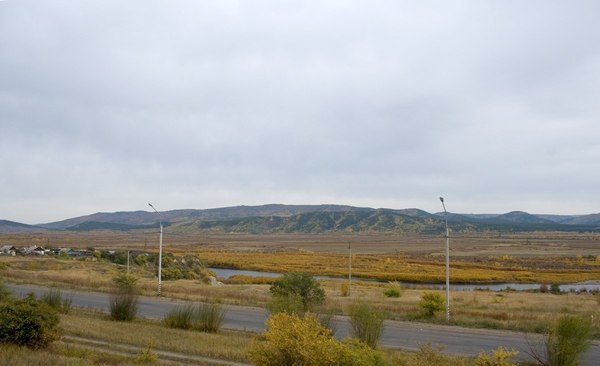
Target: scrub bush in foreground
[(28, 322), (291, 340)]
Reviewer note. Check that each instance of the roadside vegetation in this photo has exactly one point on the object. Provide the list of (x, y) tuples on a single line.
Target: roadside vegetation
[(564, 342), (299, 287), (204, 317), (28, 322), (292, 340), (91, 338), (57, 300), (529, 311), (145, 342), (123, 302), (366, 323)]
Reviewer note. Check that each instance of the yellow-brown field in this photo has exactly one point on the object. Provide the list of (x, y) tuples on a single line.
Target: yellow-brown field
[(481, 258), (534, 257)]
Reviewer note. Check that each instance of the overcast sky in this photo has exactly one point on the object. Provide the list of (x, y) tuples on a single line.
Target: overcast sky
[(109, 105)]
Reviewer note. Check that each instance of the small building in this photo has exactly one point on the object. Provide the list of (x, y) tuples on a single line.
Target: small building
[(8, 250), (34, 250)]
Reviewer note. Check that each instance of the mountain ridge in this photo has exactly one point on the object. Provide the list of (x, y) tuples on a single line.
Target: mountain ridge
[(281, 218)]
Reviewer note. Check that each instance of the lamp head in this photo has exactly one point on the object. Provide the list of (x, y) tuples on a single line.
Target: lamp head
[(442, 199), (155, 210)]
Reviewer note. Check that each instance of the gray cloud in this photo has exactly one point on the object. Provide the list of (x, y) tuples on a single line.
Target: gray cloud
[(106, 105)]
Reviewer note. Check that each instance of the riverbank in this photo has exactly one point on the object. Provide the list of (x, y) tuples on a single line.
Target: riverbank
[(587, 286)]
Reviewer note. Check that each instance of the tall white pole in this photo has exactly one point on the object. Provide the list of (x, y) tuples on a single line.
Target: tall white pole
[(159, 253), (160, 259), (447, 263)]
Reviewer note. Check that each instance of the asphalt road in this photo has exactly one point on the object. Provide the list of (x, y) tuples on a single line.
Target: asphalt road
[(396, 334)]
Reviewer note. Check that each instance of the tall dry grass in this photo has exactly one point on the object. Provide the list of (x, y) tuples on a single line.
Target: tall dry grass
[(226, 345)]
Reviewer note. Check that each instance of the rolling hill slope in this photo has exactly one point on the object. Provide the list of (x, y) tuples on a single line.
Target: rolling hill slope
[(17, 227), (278, 218)]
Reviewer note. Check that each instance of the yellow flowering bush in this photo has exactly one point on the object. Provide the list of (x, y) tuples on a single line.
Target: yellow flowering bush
[(294, 341)]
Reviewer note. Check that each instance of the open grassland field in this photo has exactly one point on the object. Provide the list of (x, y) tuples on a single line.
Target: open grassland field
[(485, 258), (579, 259), (476, 244)]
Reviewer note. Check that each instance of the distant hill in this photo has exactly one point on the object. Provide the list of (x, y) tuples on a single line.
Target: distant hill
[(93, 225), (593, 219), (278, 218), (321, 222), (149, 217), (16, 227), (523, 218)]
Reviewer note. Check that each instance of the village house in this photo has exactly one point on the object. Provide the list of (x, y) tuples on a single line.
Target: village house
[(33, 250), (8, 250)]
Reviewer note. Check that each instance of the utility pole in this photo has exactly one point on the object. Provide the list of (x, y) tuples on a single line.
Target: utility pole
[(447, 263), (159, 252)]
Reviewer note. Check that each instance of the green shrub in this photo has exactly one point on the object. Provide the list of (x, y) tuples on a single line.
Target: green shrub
[(567, 340), (291, 304), (366, 322), (393, 290), (555, 288), (55, 299), (356, 353), (302, 284), (126, 283), (180, 317), (431, 302), (205, 317), (209, 317), (123, 306), (140, 259), (28, 322)]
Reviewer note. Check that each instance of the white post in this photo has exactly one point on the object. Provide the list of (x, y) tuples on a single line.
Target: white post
[(160, 259), (159, 253), (447, 263)]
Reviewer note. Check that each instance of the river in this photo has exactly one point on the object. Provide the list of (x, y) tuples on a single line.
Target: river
[(587, 286)]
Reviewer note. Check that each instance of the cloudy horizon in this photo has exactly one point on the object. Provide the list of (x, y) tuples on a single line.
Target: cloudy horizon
[(106, 106)]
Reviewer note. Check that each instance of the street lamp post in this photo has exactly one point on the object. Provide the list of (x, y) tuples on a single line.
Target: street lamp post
[(447, 262), (159, 251)]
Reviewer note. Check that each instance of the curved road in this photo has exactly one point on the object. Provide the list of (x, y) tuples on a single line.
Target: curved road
[(396, 334)]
